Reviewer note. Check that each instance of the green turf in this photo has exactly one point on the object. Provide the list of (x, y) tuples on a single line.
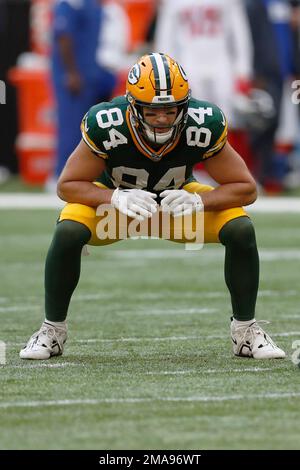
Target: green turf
[(148, 342), (15, 185)]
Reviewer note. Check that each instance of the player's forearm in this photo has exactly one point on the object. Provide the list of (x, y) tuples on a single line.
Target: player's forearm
[(229, 195), (83, 192)]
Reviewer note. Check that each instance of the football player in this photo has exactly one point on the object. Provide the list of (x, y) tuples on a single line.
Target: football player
[(137, 155)]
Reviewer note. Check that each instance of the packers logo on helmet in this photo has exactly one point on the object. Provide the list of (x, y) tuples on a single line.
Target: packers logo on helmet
[(183, 73), (134, 74), (157, 80)]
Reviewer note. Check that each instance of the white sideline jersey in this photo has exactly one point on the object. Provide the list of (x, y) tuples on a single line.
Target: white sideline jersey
[(114, 37), (211, 39)]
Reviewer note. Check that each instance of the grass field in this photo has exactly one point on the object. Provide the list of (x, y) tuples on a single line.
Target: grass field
[(148, 363)]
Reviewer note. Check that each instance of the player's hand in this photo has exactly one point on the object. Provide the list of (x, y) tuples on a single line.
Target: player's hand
[(74, 82), (135, 203), (243, 85), (180, 202)]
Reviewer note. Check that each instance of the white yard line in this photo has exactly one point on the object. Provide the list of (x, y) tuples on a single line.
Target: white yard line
[(158, 339), (153, 296), (51, 201), (210, 371), (30, 201), (135, 339), (38, 365), (46, 365), (145, 257), (170, 338), (174, 311), (209, 254), (276, 255), (19, 308), (187, 399), (149, 339), (287, 333), (276, 205)]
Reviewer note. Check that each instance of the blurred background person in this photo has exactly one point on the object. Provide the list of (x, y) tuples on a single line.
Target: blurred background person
[(211, 39), (292, 179), (212, 42), (274, 65), (79, 77), (114, 40), (295, 25)]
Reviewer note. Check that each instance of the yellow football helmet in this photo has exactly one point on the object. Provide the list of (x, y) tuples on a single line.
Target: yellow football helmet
[(157, 80)]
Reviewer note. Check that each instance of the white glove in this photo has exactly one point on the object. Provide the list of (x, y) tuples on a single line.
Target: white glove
[(180, 202), (135, 203)]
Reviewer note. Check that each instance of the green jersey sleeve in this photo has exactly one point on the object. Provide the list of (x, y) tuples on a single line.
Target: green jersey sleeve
[(104, 126), (208, 127), (91, 132), (220, 131)]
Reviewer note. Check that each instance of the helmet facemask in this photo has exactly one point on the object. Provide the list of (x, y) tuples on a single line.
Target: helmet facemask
[(149, 132), (157, 81)]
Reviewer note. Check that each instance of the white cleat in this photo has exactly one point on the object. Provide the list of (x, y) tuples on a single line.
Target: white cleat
[(48, 341), (253, 341)]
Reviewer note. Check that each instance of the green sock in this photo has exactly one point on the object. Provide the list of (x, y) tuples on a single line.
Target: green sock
[(62, 270), (241, 266)]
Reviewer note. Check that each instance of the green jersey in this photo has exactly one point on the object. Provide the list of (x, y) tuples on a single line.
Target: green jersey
[(110, 132)]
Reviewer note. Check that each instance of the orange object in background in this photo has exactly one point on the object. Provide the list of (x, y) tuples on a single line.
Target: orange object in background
[(36, 154), (36, 140), (35, 144), (140, 14)]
